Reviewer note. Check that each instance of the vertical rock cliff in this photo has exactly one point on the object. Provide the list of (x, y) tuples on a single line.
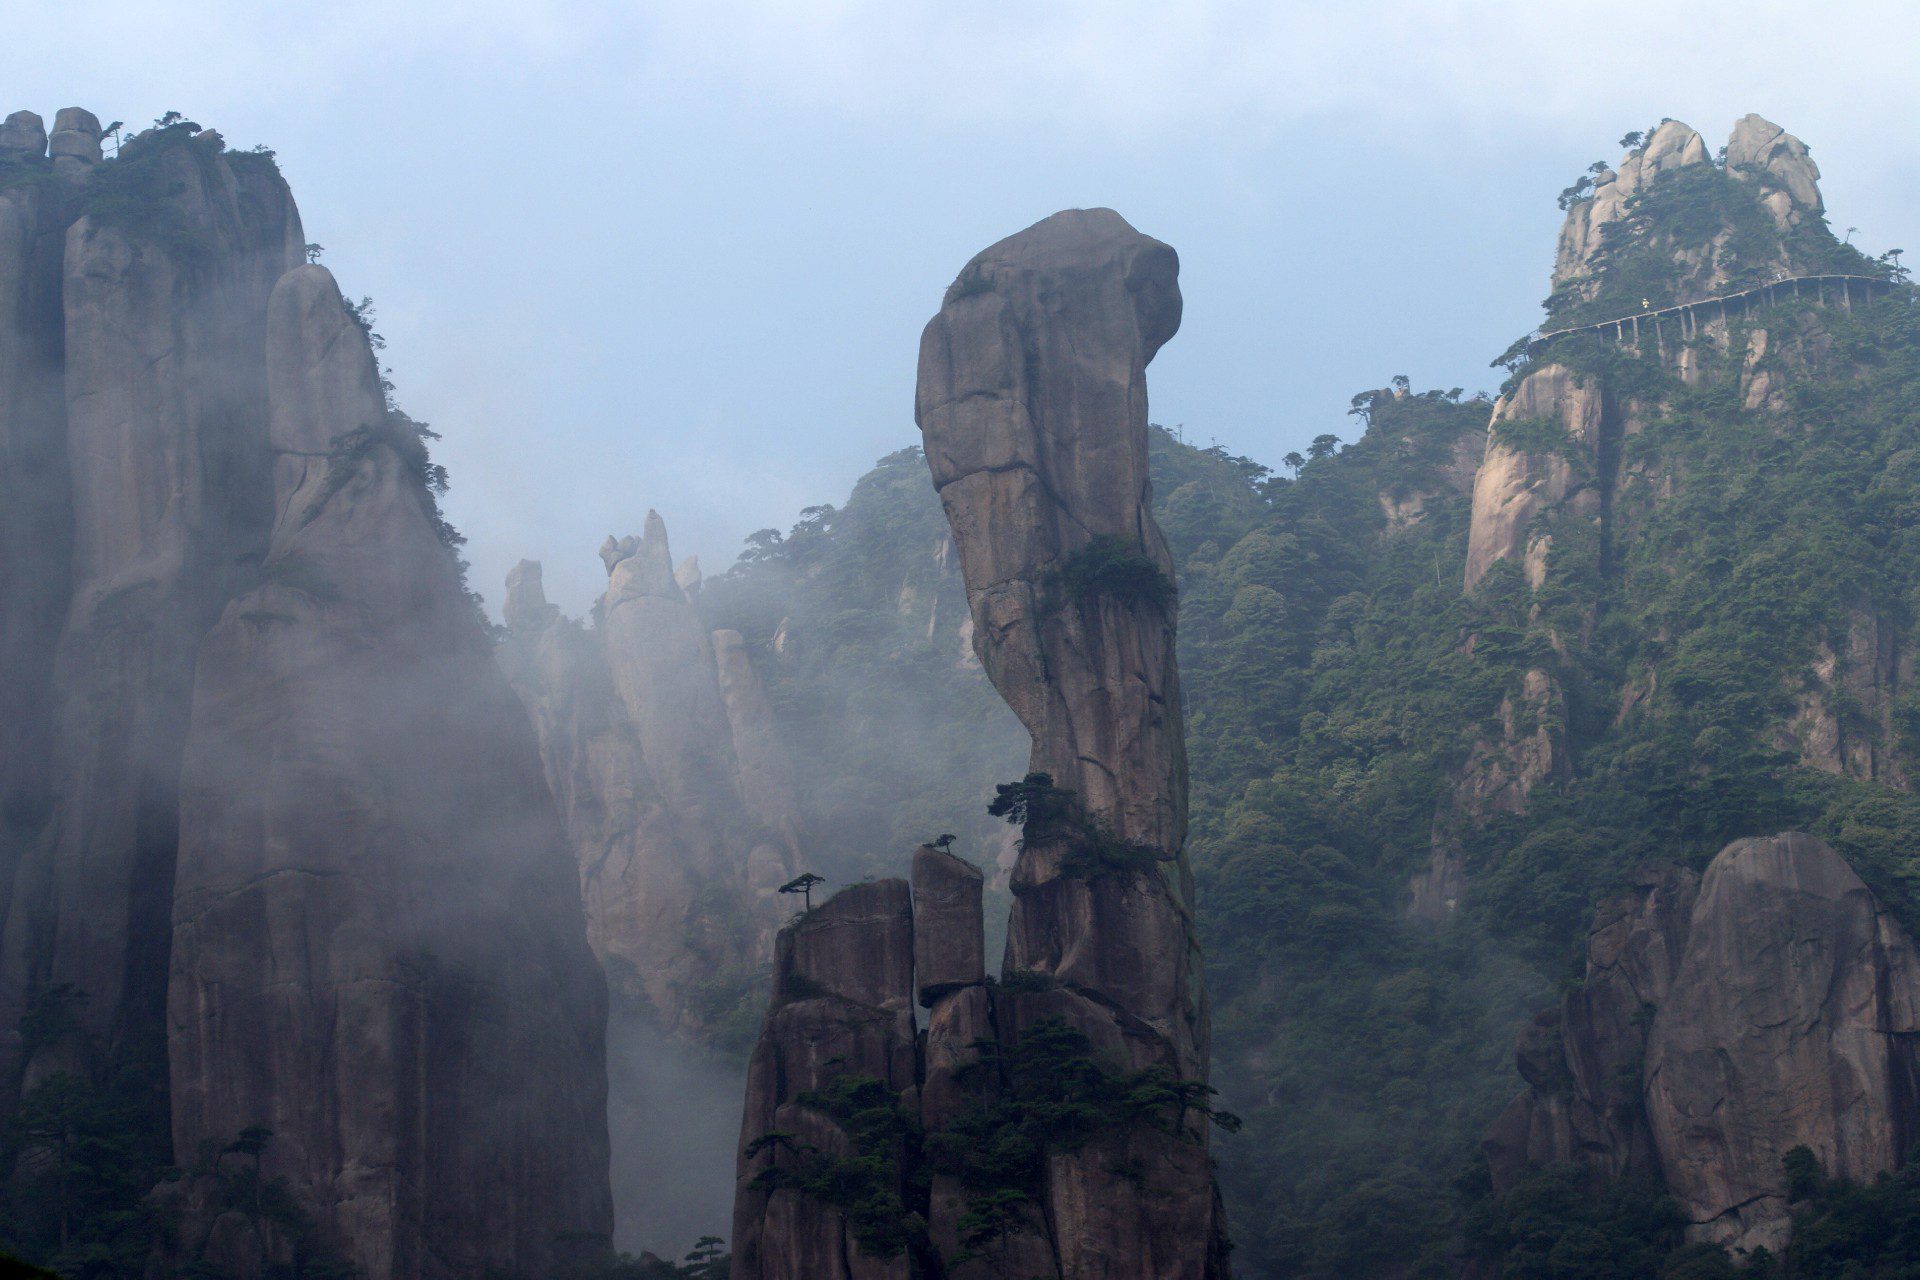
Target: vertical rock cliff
[(166, 258), (36, 515), (1032, 402), (275, 847), (1726, 1020), (673, 782), (377, 930)]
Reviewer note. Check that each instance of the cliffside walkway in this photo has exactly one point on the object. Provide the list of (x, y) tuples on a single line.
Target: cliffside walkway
[(1686, 317)]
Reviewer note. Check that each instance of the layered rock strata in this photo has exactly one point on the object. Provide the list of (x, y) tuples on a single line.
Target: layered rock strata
[(1773, 1004)]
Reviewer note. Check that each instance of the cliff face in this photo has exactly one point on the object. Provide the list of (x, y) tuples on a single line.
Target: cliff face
[(674, 785), (165, 262), (376, 931), (1769, 1005), (1581, 456), (842, 1011), (285, 854)]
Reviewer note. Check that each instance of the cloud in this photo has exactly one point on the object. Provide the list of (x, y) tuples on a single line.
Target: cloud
[(1157, 66), (1142, 67)]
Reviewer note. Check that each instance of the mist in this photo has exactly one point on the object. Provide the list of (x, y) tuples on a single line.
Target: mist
[(674, 1116)]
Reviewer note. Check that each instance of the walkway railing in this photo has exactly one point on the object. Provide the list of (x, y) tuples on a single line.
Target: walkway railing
[(1686, 317)]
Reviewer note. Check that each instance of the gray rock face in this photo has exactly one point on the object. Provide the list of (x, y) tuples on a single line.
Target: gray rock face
[(1771, 1004), (1032, 404), (378, 937), (227, 624), (75, 145), (1513, 486), (1582, 1060), (36, 514), (1672, 145), (23, 135), (672, 779), (1790, 1022), (765, 771), (843, 1006), (171, 499), (949, 946), (1762, 151)]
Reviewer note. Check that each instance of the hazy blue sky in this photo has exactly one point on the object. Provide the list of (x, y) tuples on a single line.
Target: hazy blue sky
[(679, 254)]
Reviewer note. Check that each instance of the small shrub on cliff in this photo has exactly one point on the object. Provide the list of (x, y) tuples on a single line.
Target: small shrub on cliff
[(1109, 568), (870, 1184), (1049, 1093)]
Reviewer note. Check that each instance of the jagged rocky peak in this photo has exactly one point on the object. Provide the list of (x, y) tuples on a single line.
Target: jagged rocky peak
[(642, 566), (1762, 150), (1672, 145), (1032, 406), (614, 550), (1609, 220)]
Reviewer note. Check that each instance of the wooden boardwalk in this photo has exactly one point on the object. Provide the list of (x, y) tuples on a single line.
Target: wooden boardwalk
[(1685, 318)]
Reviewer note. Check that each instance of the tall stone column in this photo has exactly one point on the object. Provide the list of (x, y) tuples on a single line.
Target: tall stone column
[(1032, 401)]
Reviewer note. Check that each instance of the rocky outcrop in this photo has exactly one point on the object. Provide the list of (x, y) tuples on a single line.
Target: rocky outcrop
[(1582, 1060), (1032, 404), (36, 515), (1793, 1020), (1844, 719), (1672, 145), (1775, 1006), (1545, 449), (274, 834), (1761, 151), (672, 778), (842, 1012), (377, 932)]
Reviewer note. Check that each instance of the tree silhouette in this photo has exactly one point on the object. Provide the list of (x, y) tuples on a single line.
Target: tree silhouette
[(253, 1142), (944, 843), (802, 884)]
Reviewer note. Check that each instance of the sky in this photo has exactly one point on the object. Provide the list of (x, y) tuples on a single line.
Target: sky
[(677, 255)]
